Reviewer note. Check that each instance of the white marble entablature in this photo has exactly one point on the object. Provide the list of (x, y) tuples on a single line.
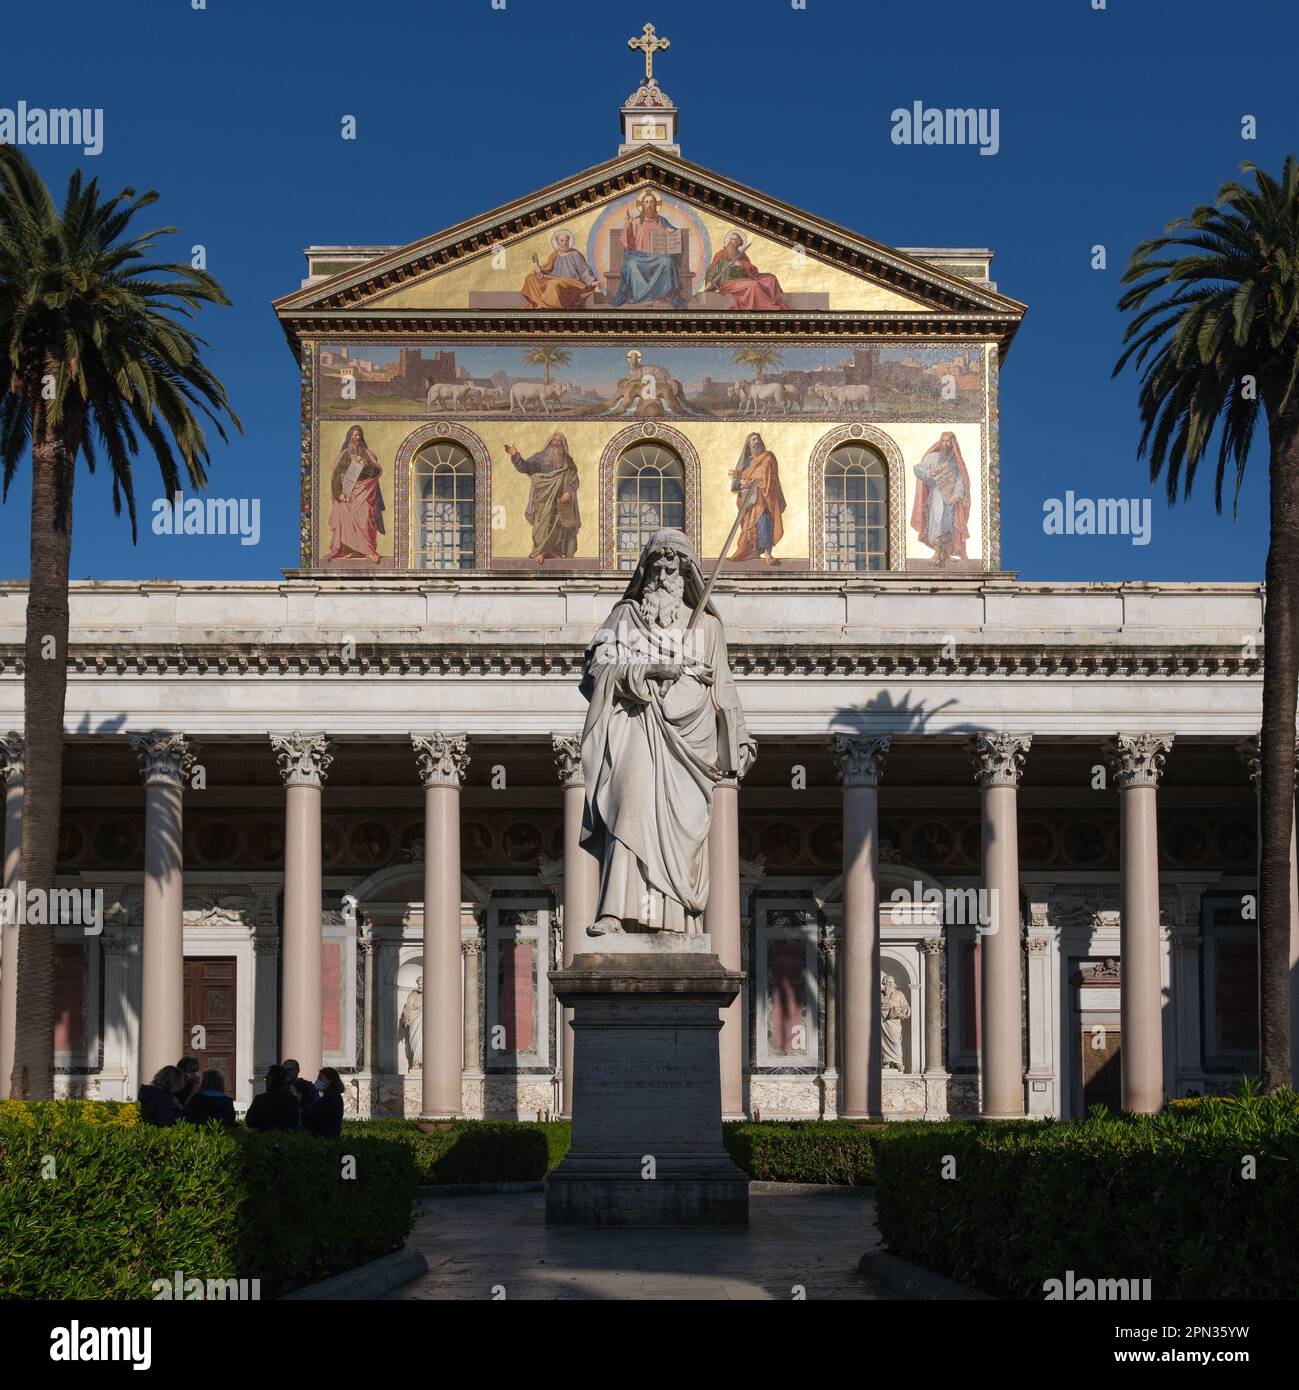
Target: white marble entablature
[(495, 653)]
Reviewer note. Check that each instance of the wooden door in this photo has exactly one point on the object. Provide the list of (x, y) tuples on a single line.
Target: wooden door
[(210, 1007)]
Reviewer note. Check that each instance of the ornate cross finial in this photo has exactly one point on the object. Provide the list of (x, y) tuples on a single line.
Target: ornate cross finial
[(649, 44)]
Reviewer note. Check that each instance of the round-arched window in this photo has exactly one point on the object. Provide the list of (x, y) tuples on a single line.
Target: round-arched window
[(649, 494), (856, 510), (442, 507)]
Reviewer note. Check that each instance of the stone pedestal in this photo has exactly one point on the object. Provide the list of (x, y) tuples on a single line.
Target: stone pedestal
[(647, 1126)]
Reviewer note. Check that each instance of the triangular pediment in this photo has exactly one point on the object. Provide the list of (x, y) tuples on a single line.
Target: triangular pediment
[(791, 264)]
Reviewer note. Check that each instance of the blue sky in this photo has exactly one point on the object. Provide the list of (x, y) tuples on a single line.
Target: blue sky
[(1111, 123)]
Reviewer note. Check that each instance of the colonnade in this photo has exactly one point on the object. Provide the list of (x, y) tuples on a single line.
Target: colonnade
[(442, 759)]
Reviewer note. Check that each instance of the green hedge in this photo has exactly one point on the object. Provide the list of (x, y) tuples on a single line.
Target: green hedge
[(824, 1151), (1165, 1198), (475, 1151), (98, 1209)]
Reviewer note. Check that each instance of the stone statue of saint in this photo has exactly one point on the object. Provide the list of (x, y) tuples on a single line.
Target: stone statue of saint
[(411, 1027), (893, 1010), (663, 727)]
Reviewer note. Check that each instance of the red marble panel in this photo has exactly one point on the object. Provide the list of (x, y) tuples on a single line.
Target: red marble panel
[(786, 992), (69, 997), (517, 1002), (331, 997)]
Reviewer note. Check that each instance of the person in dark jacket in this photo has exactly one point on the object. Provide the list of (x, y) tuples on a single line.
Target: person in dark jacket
[(158, 1103), (190, 1079), (324, 1116), (276, 1107), (210, 1102), (303, 1092)]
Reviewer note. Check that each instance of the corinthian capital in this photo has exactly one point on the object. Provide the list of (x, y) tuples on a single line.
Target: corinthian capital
[(164, 758), (1137, 760), (568, 759), (12, 754), (999, 758), (304, 758), (442, 758), (860, 758)]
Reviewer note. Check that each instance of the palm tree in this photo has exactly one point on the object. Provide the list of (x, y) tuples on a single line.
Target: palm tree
[(759, 356), (546, 358), (98, 358), (1215, 334)]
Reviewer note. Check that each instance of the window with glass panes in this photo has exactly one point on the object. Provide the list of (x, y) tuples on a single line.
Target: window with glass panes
[(856, 510), (649, 495), (442, 504)]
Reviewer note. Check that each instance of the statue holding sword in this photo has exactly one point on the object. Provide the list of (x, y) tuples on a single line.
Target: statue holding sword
[(664, 725)]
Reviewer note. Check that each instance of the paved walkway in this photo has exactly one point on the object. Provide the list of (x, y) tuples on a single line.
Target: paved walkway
[(477, 1246)]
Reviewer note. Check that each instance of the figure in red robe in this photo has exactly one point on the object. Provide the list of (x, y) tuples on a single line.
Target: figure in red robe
[(732, 272), (940, 514), (356, 517)]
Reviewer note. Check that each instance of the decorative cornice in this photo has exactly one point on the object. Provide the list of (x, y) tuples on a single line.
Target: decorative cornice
[(1137, 760), (304, 759), (568, 758), (868, 659), (12, 755), (860, 758), (165, 758), (998, 758), (442, 758)]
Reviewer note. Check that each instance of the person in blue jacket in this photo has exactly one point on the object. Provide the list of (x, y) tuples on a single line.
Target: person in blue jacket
[(210, 1102)]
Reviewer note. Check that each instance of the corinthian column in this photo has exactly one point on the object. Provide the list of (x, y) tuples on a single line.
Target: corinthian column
[(1137, 761), (860, 759), (164, 763), (998, 761), (11, 754), (581, 884), (304, 760), (442, 760), (933, 947)]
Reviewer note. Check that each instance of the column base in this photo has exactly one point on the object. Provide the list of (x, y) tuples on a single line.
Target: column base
[(864, 1118), (1001, 1115), (737, 1116)]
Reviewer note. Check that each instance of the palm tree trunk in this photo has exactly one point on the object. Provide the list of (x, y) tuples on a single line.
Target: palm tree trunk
[(45, 682), (1277, 751)]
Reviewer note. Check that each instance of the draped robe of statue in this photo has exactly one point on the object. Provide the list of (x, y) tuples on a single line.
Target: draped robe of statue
[(563, 280), (555, 522), (652, 752), (940, 515)]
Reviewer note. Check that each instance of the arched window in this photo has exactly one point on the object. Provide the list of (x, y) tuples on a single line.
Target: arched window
[(649, 494), (442, 498), (856, 510)]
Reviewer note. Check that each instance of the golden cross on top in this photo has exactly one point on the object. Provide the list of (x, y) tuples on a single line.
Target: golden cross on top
[(649, 44)]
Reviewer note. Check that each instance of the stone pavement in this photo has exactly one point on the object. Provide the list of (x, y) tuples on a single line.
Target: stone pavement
[(478, 1246)]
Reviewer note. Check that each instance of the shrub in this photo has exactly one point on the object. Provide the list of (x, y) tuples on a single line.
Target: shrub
[(475, 1151), (821, 1151), (1167, 1198), (95, 1206)]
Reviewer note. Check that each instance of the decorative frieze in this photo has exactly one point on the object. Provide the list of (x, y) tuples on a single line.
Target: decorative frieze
[(304, 759), (443, 758), (998, 758), (1137, 760), (165, 758), (860, 758)]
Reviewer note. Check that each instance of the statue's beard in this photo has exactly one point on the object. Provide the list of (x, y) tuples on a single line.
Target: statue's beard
[(661, 600)]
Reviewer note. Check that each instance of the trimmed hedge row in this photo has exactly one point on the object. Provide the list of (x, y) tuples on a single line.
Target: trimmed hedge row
[(489, 1151), (1199, 1200), (95, 1206), (475, 1151), (822, 1151)]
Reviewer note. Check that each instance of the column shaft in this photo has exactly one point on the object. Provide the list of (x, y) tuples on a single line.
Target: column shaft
[(1002, 1057), (473, 1053), (581, 886), (162, 951), (443, 990), (934, 1004), (301, 1012), (861, 1083), (1141, 998), (722, 922)]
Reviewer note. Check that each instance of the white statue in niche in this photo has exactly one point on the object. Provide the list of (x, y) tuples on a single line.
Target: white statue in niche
[(411, 1027), (894, 1009)]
